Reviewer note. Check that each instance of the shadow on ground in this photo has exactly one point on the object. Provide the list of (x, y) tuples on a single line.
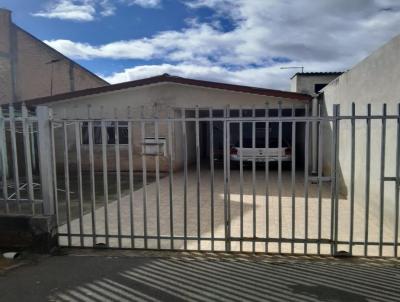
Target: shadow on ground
[(198, 277)]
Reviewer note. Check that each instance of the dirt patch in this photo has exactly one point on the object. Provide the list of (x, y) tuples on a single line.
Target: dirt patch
[(6, 263)]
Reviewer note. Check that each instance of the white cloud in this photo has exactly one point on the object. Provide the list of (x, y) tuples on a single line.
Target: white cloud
[(319, 35), (69, 10), (193, 44), (87, 10), (136, 49), (257, 77), (144, 3), (107, 8), (265, 76)]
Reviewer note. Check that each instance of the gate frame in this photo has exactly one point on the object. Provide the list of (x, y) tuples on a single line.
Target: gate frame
[(47, 165)]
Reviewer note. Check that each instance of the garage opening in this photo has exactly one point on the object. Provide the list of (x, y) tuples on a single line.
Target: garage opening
[(252, 143)]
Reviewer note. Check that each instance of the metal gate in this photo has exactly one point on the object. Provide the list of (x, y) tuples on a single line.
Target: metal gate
[(260, 180)]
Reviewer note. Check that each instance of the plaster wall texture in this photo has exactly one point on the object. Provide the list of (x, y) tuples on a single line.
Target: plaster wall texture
[(26, 71), (373, 81)]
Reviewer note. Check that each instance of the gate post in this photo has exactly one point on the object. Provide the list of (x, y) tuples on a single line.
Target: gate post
[(45, 159)]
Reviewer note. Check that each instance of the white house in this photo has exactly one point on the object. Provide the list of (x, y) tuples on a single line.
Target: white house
[(164, 96)]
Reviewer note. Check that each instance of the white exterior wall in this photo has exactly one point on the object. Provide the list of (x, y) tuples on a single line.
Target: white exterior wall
[(164, 94), (163, 97), (375, 80), (24, 69)]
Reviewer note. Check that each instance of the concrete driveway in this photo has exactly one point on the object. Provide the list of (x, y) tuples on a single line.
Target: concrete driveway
[(133, 276), (298, 208)]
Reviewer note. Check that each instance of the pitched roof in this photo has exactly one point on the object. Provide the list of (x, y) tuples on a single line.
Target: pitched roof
[(166, 78)]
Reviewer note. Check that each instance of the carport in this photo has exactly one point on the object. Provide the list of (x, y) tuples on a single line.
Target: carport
[(247, 129)]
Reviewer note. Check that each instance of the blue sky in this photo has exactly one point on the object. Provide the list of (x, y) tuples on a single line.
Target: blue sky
[(238, 41)]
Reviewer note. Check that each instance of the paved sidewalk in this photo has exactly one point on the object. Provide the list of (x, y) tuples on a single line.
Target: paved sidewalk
[(144, 276)]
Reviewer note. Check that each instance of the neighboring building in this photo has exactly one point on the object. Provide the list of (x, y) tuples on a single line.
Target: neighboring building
[(162, 96), (30, 68), (375, 81), (312, 82)]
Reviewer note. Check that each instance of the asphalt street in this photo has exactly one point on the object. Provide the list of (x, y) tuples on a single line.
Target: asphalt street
[(146, 276)]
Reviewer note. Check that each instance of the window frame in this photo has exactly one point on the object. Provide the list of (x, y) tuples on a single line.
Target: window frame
[(97, 139)]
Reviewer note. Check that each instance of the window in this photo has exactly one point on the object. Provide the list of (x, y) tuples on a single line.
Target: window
[(110, 128), (318, 87)]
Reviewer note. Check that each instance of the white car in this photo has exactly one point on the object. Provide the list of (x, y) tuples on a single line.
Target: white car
[(260, 153)]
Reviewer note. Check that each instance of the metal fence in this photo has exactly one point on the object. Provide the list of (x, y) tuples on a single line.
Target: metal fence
[(185, 182), (23, 133)]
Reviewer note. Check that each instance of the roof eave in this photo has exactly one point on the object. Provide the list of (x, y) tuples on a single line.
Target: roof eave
[(170, 79)]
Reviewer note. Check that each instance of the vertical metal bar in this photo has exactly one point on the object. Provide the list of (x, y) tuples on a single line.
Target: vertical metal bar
[(228, 176), (104, 143), (79, 171), (14, 156), (396, 207), (66, 180), (144, 177), (293, 168), (367, 178), (241, 178), (185, 176), (171, 181), (33, 150), (314, 134), (280, 177), (118, 176), (319, 167), (225, 181), (27, 154), (382, 182), (157, 163), (333, 151), (253, 166), (266, 178), (131, 181), (337, 174), (92, 181), (197, 130), (352, 175), (306, 182), (54, 166), (4, 161), (212, 178)]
